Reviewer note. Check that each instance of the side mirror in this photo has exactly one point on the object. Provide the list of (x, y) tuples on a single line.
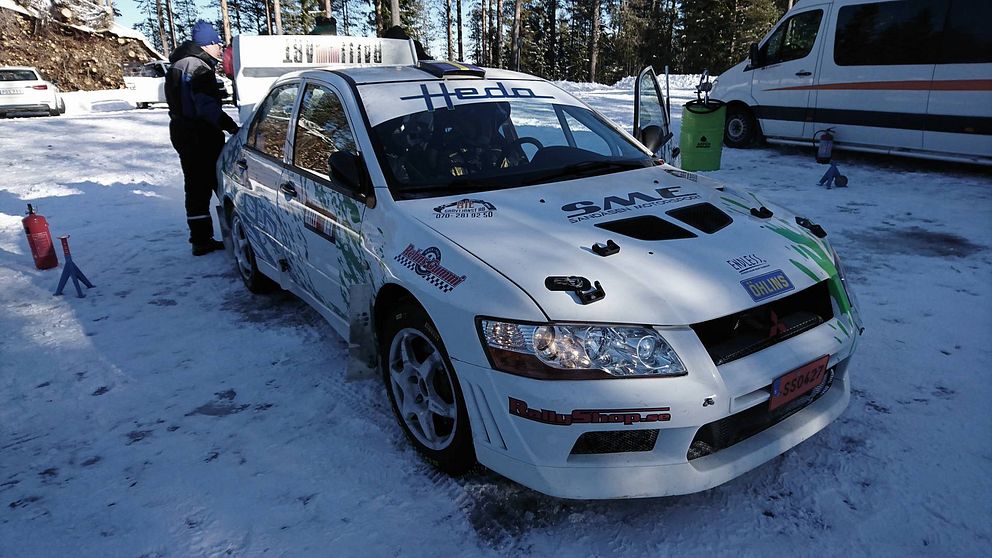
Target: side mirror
[(651, 138), (755, 56), (347, 168)]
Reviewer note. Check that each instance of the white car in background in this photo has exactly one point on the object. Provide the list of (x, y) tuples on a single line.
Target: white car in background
[(147, 83), (23, 91)]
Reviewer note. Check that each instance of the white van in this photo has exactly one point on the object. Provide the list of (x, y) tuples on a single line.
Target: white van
[(906, 77)]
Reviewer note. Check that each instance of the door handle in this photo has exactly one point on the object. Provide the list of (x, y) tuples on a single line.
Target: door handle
[(242, 164), (804, 73), (288, 189)]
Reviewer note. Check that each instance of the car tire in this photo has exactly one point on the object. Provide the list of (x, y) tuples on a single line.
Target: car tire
[(741, 129), (54, 112), (61, 106), (244, 257), (424, 391)]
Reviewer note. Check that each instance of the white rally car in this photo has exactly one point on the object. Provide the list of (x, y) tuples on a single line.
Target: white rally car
[(540, 293)]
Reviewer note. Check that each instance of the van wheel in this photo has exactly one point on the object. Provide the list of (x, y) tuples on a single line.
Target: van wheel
[(424, 391), (741, 130), (254, 280)]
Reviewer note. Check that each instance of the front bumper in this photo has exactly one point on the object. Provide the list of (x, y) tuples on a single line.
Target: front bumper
[(538, 443)]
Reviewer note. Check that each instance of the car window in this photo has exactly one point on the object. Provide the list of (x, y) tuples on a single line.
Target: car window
[(321, 130), (18, 75), (966, 34), (271, 125), (793, 39), (890, 33)]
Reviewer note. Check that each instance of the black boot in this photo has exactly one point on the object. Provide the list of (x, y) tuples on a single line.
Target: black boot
[(205, 247)]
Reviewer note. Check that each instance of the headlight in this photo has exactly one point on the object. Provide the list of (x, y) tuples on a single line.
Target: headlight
[(578, 351)]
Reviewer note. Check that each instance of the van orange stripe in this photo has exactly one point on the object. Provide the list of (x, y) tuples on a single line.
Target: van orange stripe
[(918, 85)]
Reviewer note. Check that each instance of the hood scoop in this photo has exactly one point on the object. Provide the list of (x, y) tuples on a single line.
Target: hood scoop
[(647, 227), (703, 216)]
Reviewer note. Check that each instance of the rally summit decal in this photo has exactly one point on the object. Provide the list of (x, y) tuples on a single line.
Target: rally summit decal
[(589, 416), (611, 205), (427, 264), (465, 209)]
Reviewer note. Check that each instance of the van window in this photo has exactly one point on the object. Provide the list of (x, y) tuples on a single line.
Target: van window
[(793, 39), (967, 38), (889, 33)]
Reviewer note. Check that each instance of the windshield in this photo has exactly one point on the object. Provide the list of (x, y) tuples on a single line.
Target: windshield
[(457, 147)]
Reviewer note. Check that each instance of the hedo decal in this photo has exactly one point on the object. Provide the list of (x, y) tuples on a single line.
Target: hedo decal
[(427, 264), (465, 209), (589, 416), (499, 91)]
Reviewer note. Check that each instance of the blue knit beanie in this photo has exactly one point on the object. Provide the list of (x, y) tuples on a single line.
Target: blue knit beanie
[(204, 34)]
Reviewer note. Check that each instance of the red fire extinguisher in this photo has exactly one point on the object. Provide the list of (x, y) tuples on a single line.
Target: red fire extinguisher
[(40, 240), (825, 146)]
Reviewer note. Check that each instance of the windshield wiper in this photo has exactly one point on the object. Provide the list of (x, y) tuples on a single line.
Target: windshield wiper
[(587, 168)]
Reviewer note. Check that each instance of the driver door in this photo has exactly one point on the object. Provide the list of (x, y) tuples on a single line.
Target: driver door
[(652, 126)]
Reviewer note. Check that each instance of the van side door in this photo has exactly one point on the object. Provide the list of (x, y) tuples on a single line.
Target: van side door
[(874, 79), (325, 212), (783, 73), (959, 112)]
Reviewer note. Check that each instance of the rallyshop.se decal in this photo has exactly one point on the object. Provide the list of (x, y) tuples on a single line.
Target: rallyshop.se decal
[(619, 204), (465, 209), (679, 173), (748, 263), (427, 264), (498, 91), (589, 416)]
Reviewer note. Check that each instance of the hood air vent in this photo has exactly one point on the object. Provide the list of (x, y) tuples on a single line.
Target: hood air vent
[(647, 227), (703, 216)]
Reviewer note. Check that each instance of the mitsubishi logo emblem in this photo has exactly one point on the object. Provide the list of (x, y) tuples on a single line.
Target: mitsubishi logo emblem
[(777, 326)]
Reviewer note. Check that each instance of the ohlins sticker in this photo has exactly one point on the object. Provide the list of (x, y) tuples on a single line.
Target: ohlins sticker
[(427, 264), (465, 209), (767, 285), (748, 263), (320, 222), (498, 91), (611, 205), (589, 416)]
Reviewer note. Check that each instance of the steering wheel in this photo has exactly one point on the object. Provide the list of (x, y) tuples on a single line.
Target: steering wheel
[(515, 144)]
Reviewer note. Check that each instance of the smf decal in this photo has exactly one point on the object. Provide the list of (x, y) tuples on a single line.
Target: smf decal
[(465, 209), (679, 173), (589, 416), (427, 264), (498, 91), (748, 263), (620, 204), (320, 222), (767, 285)]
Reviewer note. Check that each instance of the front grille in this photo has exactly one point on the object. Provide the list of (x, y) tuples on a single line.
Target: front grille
[(623, 441), (728, 431), (735, 336)]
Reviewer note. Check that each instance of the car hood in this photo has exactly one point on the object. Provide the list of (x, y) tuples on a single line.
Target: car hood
[(528, 234)]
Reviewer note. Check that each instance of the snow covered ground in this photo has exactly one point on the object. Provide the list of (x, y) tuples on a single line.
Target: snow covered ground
[(171, 413)]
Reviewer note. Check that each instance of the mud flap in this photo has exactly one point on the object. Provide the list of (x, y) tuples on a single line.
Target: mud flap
[(225, 230), (363, 359)]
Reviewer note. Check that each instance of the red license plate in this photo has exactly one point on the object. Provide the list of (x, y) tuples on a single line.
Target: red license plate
[(797, 383)]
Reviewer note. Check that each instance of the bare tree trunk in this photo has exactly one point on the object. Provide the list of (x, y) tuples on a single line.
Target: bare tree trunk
[(171, 21), (483, 33), (161, 28), (394, 8), (345, 13), (225, 18), (461, 44), (515, 35), (277, 10), (499, 34), (327, 8), (594, 41), (447, 27), (377, 6), (552, 38), (268, 18)]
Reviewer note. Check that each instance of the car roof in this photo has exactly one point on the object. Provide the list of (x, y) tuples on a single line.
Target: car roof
[(386, 74)]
